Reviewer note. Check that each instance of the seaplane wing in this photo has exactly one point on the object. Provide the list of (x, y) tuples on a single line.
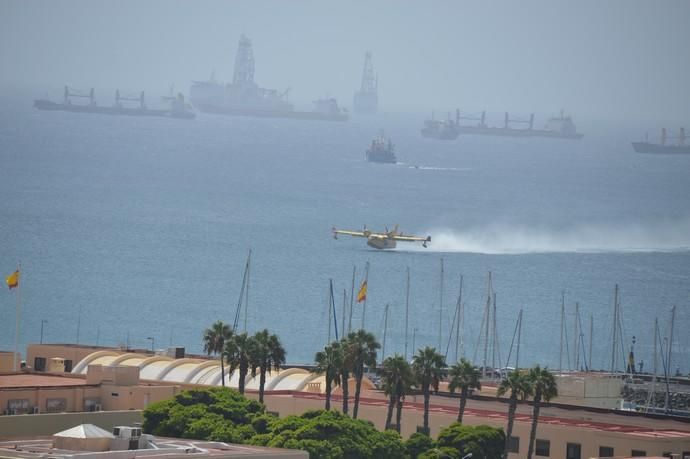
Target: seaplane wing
[(412, 238), (384, 240), (363, 233)]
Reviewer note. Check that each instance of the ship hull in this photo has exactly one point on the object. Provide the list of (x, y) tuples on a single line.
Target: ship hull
[(267, 113), (381, 157), (508, 132), (41, 104), (645, 147), (440, 135)]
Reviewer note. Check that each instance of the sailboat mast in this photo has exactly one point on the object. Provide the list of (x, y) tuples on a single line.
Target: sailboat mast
[(670, 340), (560, 353), (517, 354), (352, 299), (407, 309), (246, 289), (342, 326), (440, 311), (458, 313), (576, 336), (591, 339), (385, 332), (614, 334), (330, 309), (487, 310), (651, 396)]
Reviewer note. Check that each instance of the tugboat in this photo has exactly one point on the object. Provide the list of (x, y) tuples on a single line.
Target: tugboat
[(381, 150), (442, 130), (663, 147)]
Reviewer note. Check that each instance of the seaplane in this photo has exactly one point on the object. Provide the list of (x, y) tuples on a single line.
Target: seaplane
[(385, 240)]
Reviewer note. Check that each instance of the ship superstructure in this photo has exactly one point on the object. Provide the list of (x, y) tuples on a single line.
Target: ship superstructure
[(366, 100), (680, 146), (245, 97), (442, 129)]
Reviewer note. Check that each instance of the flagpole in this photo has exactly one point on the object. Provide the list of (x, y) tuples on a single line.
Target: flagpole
[(16, 325), (366, 296)]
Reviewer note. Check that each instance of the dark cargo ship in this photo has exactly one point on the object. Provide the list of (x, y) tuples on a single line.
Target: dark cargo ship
[(243, 97), (178, 108), (381, 150), (663, 147)]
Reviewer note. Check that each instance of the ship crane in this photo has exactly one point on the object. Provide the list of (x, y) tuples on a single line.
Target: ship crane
[(140, 99), (474, 117), (529, 121), (69, 93)]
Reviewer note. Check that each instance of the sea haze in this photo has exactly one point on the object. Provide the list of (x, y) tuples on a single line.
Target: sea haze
[(144, 226)]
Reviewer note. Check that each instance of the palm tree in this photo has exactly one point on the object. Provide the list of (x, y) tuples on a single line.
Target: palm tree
[(397, 379), (360, 352), (544, 385), (268, 355), (329, 362), (428, 367), (239, 353), (519, 387), (214, 342), (463, 376)]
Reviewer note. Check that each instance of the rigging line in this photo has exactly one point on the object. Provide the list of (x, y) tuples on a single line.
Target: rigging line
[(238, 311), (664, 362), (479, 338), (582, 344), (335, 313), (510, 352), (450, 335)]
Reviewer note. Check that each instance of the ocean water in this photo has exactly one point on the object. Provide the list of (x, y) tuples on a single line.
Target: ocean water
[(134, 228)]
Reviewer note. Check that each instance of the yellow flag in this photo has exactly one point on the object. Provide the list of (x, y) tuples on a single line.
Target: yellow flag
[(362, 294), (13, 280)]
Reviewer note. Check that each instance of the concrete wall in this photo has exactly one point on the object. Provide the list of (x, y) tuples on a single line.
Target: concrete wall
[(38, 397), (34, 425), (7, 361)]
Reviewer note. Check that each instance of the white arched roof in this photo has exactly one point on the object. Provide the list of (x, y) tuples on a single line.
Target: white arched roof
[(200, 371)]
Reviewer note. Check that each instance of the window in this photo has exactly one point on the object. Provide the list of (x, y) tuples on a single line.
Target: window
[(18, 406), (572, 451), (638, 453), (40, 364), (68, 366), (56, 405), (514, 444), (685, 455), (542, 448), (605, 451), (667, 454)]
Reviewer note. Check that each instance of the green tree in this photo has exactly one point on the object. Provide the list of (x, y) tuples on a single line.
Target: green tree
[(397, 380), (268, 355), (329, 362), (239, 353), (428, 367), (360, 352), (544, 386), (214, 339), (463, 376), (417, 444), (482, 441), (519, 387)]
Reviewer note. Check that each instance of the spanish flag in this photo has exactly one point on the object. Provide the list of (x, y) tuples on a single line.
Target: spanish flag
[(362, 294), (13, 280)]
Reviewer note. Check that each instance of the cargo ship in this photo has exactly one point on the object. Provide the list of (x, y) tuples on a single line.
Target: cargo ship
[(663, 147), (442, 130), (243, 97), (561, 127), (381, 150), (177, 109)]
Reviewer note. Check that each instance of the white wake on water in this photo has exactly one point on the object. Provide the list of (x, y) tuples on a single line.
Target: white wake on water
[(509, 239)]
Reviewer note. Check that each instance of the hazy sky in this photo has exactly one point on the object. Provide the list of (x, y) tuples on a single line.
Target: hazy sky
[(612, 59)]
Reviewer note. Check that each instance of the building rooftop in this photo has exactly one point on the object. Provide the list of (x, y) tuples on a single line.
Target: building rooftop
[(26, 380)]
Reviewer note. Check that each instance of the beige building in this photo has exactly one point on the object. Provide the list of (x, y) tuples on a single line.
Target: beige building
[(564, 432)]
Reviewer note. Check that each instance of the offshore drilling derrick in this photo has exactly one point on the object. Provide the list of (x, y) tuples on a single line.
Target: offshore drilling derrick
[(366, 100)]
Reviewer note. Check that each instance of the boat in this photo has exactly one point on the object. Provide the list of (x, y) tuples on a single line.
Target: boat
[(441, 130), (664, 148), (244, 97), (178, 108), (381, 150), (561, 127)]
